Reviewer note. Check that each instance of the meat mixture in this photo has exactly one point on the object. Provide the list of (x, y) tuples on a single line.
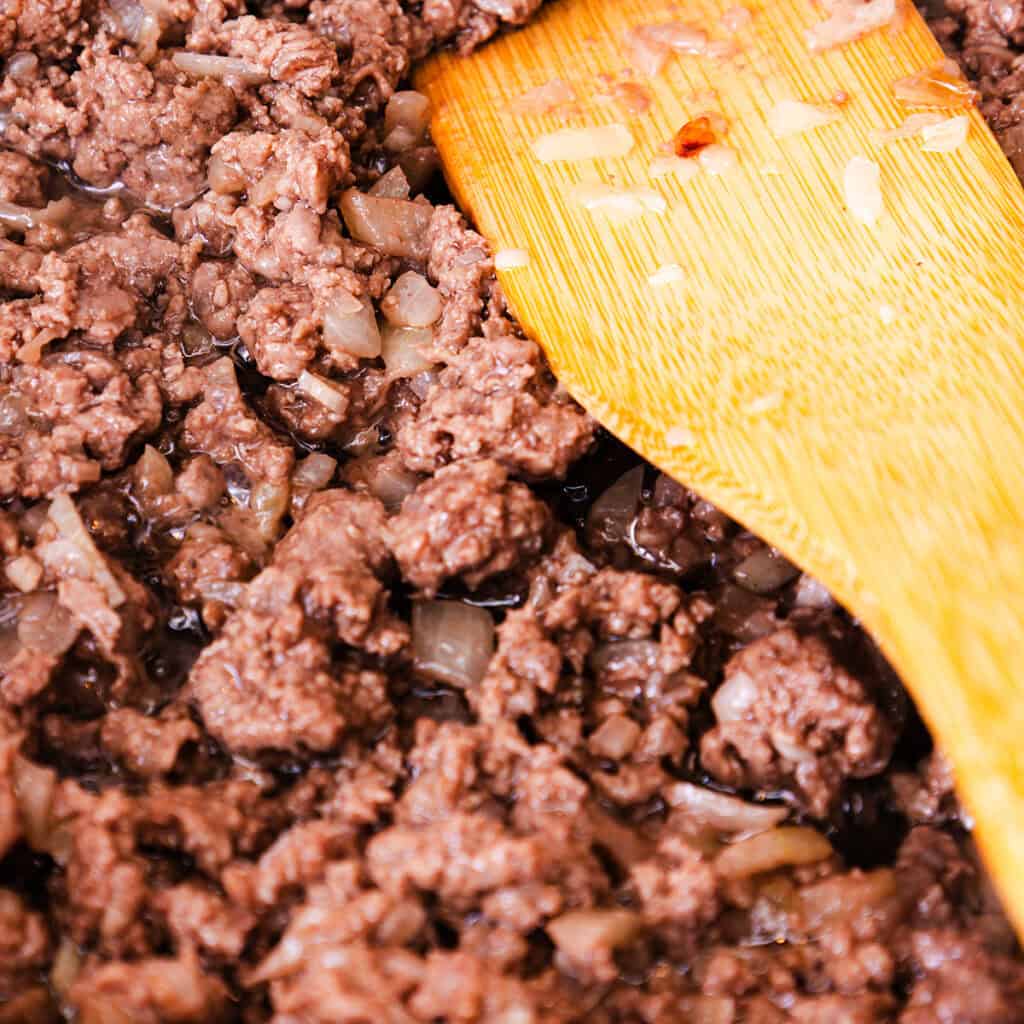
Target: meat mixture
[(349, 674)]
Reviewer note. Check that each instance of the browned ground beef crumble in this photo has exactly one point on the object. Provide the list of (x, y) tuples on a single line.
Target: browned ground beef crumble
[(238, 782)]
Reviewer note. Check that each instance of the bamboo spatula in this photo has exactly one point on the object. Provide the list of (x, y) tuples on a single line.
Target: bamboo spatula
[(852, 392)]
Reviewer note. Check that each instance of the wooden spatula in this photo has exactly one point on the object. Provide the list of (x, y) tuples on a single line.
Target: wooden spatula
[(851, 391)]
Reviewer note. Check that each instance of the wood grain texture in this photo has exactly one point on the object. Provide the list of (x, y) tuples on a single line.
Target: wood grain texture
[(885, 458)]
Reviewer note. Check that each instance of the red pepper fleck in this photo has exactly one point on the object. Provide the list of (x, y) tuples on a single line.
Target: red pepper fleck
[(694, 136)]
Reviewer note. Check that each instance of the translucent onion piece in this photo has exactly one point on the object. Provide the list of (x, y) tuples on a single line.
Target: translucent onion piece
[(945, 136), (618, 203), (409, 110), (69, 523), (269, 502), (385, 477), (22, 66), (611, 516), (412, 302), (66, 965), (314, 472), (46, 626), (350, 326), (34, 788), (717, 158), (862, 190), (397, 227), (675, 166), (792, 117), (721, 812), (24, 572), (595, 143), (451, 641), (211, 66), (908, 128), (812, 594), (392, 185), (323, 391), (582, 933), (153, 474), (543, 99), (849, 20), (403, 350), (764, 571), (614, 738), (786, 846), (941, 86), (511, 259)]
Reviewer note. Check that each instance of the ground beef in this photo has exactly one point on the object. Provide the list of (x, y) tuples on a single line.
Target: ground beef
[(788, 713), (496, 400), (470, 521), (679, 782)]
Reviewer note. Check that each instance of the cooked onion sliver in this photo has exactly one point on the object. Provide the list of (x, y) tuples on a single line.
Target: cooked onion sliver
[(323, 391), (940, 86), (792, 117), (511, 259), (722, 812), (581, 934), (451, 641), (862, 190), (65, 517), (619, 202), (718, 158), (677, 167), (403, 350), (24, 572), (543, 99), (409, 110), (206, 65), (350, 326), (911, 126), (412, 302), (397, 227), (392, 185), (314, 472), (849, 20), (945, 136), (596, 143), (769, 851)]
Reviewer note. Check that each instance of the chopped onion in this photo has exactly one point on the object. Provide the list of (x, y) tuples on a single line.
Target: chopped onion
[(849, 20), (786, 846), (582, 933), (511, 259), (909, 127), (764, 571), (46, 626), (66, 965), (451, 641), (412, 302), (940, 86), (392, 185), (791, 117), (397, 227), (594, 143), (718, 158), (634, 657), (402, 349), (621, 203), (69, 523), (323, 391), (385, 477), (34, 788), (667, 273), (862, 190), (350, 326), (408, 110), (812, 594), (721, 812), (314, 472), (734, 698), (24, 572), (543, 99), (211, 66), (647, 54), (611, 516), (269, 502), (945, 136), (677, 167), (153, 474)]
